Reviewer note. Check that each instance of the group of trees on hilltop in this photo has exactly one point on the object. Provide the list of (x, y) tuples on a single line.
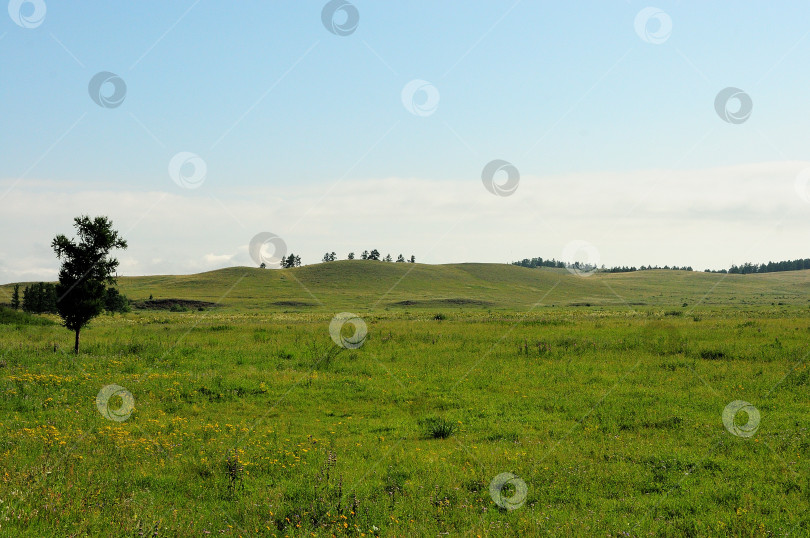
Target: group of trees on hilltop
[(295, 261), (366, 255), (375, 255), (290, 261), (540, 262), (625, 269), (770, 267), (744, 269)]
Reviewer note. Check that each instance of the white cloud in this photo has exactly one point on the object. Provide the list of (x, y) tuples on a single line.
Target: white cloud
[(704, 218)]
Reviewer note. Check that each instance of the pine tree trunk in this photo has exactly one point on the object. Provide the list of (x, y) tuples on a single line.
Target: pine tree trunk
[(76, 346)]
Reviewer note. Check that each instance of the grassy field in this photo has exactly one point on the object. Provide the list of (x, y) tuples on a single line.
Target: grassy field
[(604, 396)]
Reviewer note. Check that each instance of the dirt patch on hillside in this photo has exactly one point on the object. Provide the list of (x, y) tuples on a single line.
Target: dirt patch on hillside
[(456, 301), (172, 304)]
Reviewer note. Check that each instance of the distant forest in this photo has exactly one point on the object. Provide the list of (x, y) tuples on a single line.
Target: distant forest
[(744, 269)]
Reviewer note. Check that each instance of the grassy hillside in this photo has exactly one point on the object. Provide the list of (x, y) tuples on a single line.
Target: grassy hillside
[(361, 285), (247, 420)]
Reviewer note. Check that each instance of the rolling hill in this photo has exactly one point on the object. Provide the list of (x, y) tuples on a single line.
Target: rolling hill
[(362, 285)]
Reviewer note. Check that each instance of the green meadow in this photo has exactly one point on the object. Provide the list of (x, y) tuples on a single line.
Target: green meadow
[(602, 396)]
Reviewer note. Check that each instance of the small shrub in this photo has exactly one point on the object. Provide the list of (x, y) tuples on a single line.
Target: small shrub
[(438, 428), (439, 317)]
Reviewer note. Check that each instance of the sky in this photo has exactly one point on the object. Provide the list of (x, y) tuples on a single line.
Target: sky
[(197, 125)]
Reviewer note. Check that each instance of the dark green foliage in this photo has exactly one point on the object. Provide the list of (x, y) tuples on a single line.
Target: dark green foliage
[(15, 297), (114, 301), (86, 269), (291, 261), (39, 298), (438, 428), (713, 354), (539, 262), (744, 269), (771, 267)]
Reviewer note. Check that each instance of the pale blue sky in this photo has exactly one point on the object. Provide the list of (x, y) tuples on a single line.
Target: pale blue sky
[(274, 103)]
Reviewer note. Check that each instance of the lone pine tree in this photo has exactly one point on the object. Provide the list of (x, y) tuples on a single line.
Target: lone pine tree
[(86, 270)]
